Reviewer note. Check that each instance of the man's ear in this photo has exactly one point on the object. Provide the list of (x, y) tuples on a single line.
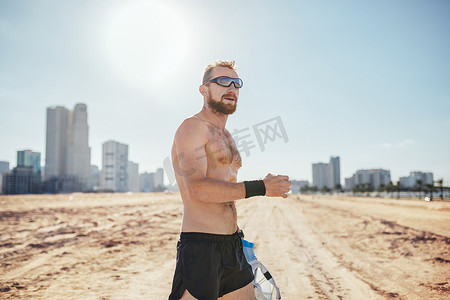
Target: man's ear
[(203, 90)]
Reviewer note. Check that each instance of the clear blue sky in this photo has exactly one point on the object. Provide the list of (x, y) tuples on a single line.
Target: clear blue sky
[(365, 80)]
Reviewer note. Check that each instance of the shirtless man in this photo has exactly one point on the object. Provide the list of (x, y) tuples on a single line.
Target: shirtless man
[(210, 260)]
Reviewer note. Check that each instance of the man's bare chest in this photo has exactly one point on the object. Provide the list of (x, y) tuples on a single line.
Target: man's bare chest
[(221, 149)]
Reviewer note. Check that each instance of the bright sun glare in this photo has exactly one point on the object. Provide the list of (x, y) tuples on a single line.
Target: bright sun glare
[(145, 41)]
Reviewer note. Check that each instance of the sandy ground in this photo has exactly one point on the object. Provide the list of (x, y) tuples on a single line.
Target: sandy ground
[(119, 246)]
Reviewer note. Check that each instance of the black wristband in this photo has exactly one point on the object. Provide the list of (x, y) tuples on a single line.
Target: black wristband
[(254, 188)]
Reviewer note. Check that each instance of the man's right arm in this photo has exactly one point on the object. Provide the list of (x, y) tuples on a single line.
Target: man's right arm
[(190, 164)]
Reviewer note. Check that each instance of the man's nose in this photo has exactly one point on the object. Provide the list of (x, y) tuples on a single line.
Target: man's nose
[(232, 87), (233, 91)]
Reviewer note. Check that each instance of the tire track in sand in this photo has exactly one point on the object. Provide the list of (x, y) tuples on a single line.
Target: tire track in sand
[(284, 241)]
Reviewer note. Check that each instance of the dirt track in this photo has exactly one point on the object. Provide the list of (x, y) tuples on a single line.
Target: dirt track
[(353, 248), (113, 246)]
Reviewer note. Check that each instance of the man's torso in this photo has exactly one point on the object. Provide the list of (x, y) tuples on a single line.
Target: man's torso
[(223, 162)]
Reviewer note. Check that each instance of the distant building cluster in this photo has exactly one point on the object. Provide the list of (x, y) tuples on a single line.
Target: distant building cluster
[(327, 175), (372, 179), (152, 182), (26, 177), (416, 178), (68, 162), (326, 178)]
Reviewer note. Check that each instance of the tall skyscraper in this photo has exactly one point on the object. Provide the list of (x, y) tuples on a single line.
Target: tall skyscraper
[(56, 141), (335, 172), (68, 154), (115, 167), (78, 150)]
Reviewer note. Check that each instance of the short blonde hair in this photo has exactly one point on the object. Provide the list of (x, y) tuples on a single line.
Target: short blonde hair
[(219, 63)]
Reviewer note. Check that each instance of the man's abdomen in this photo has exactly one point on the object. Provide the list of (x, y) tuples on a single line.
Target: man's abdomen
[(217, 218)]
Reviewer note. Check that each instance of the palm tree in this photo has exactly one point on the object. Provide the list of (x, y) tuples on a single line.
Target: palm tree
[(381, 188), (325, 190), (419, 186), (338, 187), (304, 189), (390, 188), (441, 188)]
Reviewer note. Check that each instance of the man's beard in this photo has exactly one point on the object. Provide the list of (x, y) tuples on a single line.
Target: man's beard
[(221, 107)]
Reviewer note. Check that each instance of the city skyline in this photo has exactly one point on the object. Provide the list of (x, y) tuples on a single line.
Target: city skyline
[(364, 81), (323, 174)]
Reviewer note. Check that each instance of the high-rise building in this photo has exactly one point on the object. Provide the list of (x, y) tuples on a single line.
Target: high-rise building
[(321, 172), (56, 141), (115, 167), (78, 150), (133, 177), (327, 175), (68, 154), (335, 172)]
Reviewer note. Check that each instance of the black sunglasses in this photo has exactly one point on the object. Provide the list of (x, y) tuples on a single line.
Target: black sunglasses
[(227, 81)]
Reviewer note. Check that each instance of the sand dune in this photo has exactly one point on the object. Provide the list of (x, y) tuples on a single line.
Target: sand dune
[(121, 246)]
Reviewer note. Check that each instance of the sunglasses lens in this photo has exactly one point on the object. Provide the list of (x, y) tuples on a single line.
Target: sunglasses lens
[(227, 81), (224, 81)]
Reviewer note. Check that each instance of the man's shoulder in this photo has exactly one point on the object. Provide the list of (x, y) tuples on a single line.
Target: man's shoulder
[(193, 123), (192, 126)]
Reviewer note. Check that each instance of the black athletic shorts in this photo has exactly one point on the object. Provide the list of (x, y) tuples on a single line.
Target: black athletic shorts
[(209, 266)]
